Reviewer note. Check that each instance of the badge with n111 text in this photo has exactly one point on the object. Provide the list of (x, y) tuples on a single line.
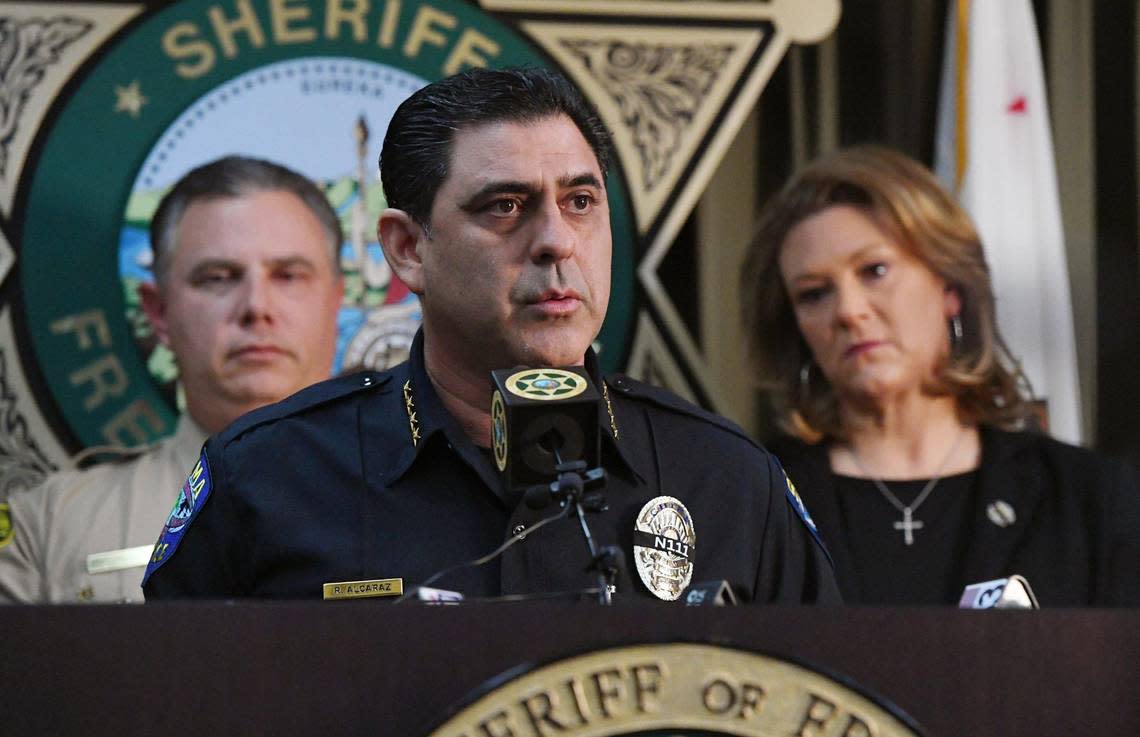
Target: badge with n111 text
[(664, 546)]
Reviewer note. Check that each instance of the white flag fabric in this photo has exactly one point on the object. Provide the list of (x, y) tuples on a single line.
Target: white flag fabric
[(995, 149)]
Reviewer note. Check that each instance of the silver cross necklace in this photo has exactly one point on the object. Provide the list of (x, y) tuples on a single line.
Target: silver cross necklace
[(908, 524)]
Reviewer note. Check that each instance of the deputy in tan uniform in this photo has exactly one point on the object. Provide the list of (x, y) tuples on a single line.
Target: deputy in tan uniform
[(246, 294)]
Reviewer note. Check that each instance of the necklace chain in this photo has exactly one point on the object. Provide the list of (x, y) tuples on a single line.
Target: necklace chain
[(908, 524)]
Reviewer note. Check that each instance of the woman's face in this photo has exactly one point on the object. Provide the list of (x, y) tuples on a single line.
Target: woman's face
[(874, 316)]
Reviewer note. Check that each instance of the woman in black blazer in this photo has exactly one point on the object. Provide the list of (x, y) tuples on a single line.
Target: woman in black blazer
[(873, 326)]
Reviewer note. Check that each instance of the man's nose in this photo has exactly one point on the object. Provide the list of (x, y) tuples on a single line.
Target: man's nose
[(257, 300), (554, 238)]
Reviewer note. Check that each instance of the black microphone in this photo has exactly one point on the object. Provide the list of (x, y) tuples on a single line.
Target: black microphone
[(542, 418), (546, 441), (1001, 593)]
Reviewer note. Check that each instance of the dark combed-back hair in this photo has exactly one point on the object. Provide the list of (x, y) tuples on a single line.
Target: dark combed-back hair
[(417, 147), (904, 200), (236, 176)]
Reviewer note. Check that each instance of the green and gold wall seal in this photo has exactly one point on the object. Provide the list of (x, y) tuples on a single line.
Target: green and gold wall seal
[(6, 532), (112, 101)]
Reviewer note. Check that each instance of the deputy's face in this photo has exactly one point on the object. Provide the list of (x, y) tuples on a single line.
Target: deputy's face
[(249, 303), (516, 269)]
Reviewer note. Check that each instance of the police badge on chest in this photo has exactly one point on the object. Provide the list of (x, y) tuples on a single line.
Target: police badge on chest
[(664, 547)]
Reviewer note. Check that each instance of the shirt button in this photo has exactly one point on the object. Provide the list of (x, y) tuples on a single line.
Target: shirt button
[(517, 529)]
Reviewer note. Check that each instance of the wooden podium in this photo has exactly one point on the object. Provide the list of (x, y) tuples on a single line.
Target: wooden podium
[(368, 668)]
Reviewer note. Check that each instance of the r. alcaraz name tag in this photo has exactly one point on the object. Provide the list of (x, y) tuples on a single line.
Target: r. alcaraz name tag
[(364, 589)]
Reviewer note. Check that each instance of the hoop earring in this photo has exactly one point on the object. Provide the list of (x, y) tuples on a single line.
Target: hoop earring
[(956, 332)]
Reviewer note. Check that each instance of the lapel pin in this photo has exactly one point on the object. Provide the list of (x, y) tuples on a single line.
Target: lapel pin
[(1001, 513)]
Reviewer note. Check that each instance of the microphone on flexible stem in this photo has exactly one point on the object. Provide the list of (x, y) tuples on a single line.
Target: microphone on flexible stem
[(425, 592), (546, 444), (544, 426)]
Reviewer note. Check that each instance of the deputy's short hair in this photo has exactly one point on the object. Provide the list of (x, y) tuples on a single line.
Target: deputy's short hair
[(236, 176)]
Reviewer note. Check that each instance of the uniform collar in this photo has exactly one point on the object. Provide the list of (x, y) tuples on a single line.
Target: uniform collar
[(614, 450), (429, 423)]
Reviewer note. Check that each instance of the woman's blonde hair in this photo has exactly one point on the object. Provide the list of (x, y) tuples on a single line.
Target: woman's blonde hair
[(904, 200)]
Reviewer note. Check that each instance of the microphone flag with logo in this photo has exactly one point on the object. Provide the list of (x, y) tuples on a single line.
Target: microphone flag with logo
[(541, 417)]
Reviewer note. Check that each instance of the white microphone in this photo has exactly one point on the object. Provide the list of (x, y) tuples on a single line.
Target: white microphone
[(1001, 593), (710, 593)]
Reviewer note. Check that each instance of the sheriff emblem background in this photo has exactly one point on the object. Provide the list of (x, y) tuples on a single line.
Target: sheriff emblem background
[(111, 102)]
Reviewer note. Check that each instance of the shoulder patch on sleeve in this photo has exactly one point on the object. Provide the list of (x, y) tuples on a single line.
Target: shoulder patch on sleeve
[(193, 496), (635, 389), (798, 504), (801, 511)]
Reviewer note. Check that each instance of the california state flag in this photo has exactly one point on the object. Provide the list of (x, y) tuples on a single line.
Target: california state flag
[(995, 149)]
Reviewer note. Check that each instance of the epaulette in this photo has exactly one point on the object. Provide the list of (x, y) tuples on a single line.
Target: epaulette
[(317, 395), (667, 400)]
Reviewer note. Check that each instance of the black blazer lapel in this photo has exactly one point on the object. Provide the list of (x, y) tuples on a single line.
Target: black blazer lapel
[(992, 547)]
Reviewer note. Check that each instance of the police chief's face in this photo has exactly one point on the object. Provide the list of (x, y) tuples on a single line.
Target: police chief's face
[(249, 303), (516, 268), (874, 316)]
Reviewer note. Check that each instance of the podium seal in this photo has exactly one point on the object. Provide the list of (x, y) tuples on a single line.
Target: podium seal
[(675, 689)]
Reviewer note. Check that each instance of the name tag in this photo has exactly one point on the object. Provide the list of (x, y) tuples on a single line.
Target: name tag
[(119, 560), (364, 589)]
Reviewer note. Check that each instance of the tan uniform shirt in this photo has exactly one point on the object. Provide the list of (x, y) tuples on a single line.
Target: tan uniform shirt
[(85, 536)]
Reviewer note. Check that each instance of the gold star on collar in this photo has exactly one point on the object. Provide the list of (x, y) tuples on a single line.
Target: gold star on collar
[(410, 406), (129, 99)]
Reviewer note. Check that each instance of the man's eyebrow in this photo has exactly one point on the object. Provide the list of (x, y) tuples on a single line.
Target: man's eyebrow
[(294, 260), (214, 263), (580, 180), (523, 188), (277, 263)]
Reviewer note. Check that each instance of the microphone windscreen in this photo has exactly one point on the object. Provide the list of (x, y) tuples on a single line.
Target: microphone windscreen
[(541, 417)]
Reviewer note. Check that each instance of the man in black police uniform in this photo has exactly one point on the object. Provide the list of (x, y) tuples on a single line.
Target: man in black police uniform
[(499, 221)]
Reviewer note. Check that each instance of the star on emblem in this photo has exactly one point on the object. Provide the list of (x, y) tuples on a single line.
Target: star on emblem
[(129, 99)]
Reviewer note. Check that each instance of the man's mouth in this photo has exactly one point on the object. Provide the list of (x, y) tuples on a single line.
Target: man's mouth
[(257, 352), (556, 302)]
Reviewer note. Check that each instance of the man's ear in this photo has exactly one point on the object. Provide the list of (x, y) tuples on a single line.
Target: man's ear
[(154, 306), (400, 237)]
